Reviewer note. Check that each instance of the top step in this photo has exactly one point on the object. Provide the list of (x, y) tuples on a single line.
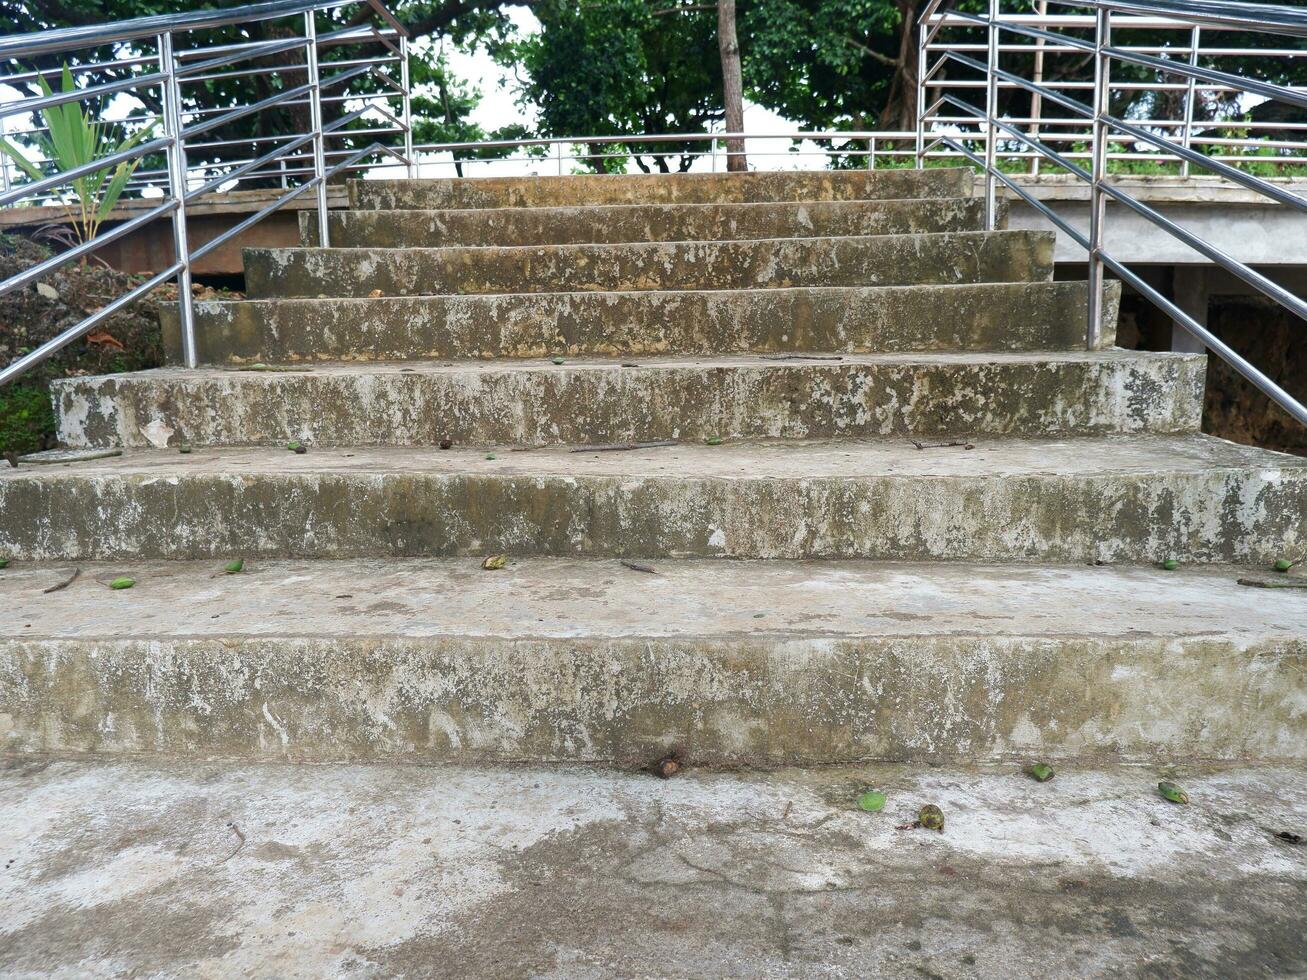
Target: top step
[(750, 188)]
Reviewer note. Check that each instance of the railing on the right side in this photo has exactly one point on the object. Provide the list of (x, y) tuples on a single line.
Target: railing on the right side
[(978, 72)]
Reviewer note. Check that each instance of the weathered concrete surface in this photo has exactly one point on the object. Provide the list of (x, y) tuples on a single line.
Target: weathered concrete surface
[(861, 319), (878, 260), (593, 189), (1123, 498), (538, 402), (646, 223), (752, 664), (137, 869)]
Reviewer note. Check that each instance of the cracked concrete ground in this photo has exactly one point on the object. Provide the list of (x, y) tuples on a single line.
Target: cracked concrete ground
[(159, 869)]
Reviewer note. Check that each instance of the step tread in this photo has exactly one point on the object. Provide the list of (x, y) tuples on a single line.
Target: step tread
[(813, 459), (660, 207), (602, 599), (815, 360)]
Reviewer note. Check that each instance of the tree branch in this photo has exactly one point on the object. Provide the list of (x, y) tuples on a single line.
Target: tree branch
[(873, 55)]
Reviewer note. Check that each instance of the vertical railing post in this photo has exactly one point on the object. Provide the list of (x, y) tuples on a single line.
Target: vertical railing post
[(923, 63), (407, 107), (315, 126), (1097, 199), (1036, 99), (1186, 136), (177, 168), (991, 113)]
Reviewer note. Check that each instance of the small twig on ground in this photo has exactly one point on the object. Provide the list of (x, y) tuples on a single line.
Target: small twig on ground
[(786, 815), (1261, 583), (58, 586), (239, 836), (617, 447), (803, 357), (940, 445), (635, 566)]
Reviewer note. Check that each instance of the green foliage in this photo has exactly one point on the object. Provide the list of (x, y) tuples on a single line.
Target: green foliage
[(75, 140), (619, 68), (26, 417)]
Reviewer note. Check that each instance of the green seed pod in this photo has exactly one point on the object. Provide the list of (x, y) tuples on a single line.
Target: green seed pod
[(1283, 565), (871, 801), (1041, 772), (558, 360), (490, 455), (1172, 792), (4, 562), (184, 448), (122, 583), (296, 446), (931, 817), (713, 440), (233, 567), (1170, 564)]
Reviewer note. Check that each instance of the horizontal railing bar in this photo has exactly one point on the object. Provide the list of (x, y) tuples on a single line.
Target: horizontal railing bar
[(97, 35), (264, 49), (83, 327), (68, 176), (244, 111), (1269, 18), (1280, 93), (237, 173), (61, 259), (37, 103)]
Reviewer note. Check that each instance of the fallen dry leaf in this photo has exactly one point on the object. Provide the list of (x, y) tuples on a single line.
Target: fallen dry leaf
[(104, 339)]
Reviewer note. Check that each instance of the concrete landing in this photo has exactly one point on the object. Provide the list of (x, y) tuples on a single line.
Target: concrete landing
[(1136, 498), (977, 317), (882, 260), (206, 870), (721, 188), (604, 401), (756, 664)]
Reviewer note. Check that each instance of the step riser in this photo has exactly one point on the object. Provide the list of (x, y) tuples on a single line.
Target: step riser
[(1241, 516), (752, 702), (557, 405), (661, 223), (987, 317), (517, 192), (963, 257)]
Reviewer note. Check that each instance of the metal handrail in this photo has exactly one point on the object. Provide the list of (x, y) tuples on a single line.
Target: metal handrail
[(166, 70), (1193, 15)]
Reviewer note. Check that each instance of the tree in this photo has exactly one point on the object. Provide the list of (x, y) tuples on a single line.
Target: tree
[(732, 83), (622, 68)]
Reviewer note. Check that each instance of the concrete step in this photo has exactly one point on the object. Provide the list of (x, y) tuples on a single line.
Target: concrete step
[(646, 223), (534, 402), (593, 189), (724, 663), (852, 319), (1123, 499), (884, 260), (182, 869)]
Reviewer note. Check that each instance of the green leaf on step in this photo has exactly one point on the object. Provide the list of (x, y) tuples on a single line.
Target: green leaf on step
[(122, 583), (296, 446), (871, 801), (1170, 564), (1172, 792), (1041, 772), (232, 567), (931, 817)]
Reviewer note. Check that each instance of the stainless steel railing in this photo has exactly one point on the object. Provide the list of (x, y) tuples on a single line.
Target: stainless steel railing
[(154, 62), (949, 116)]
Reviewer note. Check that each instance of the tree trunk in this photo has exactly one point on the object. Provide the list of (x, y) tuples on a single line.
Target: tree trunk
[(732, 83), (900, 111)]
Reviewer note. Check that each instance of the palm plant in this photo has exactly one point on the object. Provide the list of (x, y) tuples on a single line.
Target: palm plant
[(72, 139)]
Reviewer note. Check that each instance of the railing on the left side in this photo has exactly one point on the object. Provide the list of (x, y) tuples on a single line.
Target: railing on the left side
[(340, 82)]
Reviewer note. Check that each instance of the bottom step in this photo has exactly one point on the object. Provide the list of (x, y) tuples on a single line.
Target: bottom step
[(725, 663), (138, 869)]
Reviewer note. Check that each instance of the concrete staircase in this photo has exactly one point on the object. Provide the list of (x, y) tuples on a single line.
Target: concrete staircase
[(961, 509)]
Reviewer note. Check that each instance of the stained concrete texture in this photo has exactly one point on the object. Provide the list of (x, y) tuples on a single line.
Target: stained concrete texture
[(645, 223), (759, 664), (146, 870), (1136, 498), (977, 317), (602, 401), (591, 189), (880, 260)]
